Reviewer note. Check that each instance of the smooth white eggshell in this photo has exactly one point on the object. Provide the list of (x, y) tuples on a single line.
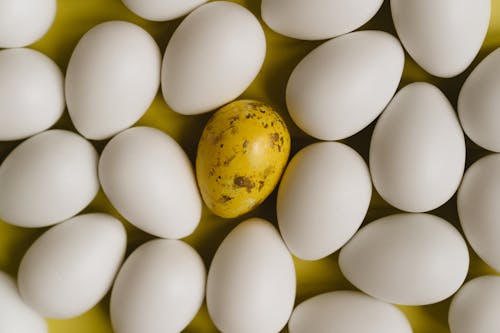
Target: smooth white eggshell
[(149, 179), (47, 179), (15, 315), (347, 312), (251, 280), (317, 19), (417, 150), (344, 84), (323, 197), (410, 259), (162, 10), (443, 36), (212, 57), (71, 266), (160, 288), (112, 78)]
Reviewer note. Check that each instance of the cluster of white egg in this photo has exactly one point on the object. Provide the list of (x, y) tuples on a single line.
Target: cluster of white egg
[(416, 163)]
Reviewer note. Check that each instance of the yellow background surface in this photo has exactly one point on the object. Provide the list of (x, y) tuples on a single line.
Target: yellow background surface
[(75, 17)]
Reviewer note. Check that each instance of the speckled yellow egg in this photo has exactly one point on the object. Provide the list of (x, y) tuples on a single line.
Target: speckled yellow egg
[(241, 155)]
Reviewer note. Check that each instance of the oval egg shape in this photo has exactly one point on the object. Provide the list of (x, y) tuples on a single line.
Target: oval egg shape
[(15, 315), (160, 288), (47, 179), (479, 103), (323, 91), (212, 57), (317, 19), (322, 199), (112, 78), (71, 266), (341, 311), (155, 10), (417, 150), (251, 280), (444, 36), (26, 72), (149, 179), (409, 259)]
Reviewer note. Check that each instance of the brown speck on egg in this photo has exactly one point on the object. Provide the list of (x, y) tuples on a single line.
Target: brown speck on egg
[(241, 181)]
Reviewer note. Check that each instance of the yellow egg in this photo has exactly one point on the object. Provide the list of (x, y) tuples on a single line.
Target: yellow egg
[(241, 155)]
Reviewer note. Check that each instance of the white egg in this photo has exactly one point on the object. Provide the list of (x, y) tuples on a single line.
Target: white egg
[(347, 312), (162, 10), (149, 179), (317, 19), (443, 36), (212, 57), (478, 209), (251, 280), (26, 72), (322, 199), (344, 84), (15, 315), (160, 288), (410, 259), (47, 179), (479, 103), (71, 266), (23, 22), (476, 306), (112, 78), (417, 150)]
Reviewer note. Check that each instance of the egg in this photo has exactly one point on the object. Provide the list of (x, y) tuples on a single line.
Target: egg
[(251, 280), (71, 266), (149, 179), (478, 208), (322, 199), (417, 150), (26, 72), (241, 154), (112, 78), (317, 19), (323, 93), (160, 288), (409, 259), (479, 103), (23, 22), (212, 57), (162, 10), (347, 312), (444, 36), (475, 306), (15, 315), (47, 179)]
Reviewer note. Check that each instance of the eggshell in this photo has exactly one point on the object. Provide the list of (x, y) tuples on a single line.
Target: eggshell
[(417, 150), (344, 84), (25, 73), (479, 103), (322, 199), (251, 280), (410, 259), (478, 209), (317, 19), (15, 315), (161, 10), (160, 288), (70, 267), (347, 312), (212, 57), (23, 22), (47, 179), (112, 78), (444, 36), (149, 179), (475, 306)]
